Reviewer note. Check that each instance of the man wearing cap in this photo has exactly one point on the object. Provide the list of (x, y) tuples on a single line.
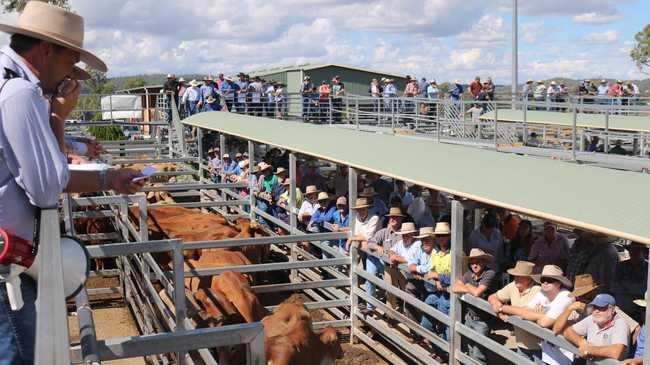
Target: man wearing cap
[(584, 291), (478, 281), (377, 206), (227, 90), (264, 187), (519, 293), (602, 335), (214, 164), (402, 192), (381, 242), (38, 91), (170, 88), (628, 282), (229, 166), (338, 91), (305, 91), (240, 93), (550, 249), (639, 352), (456, 91), (489, 239), (527, 90), (440, 274), (312, 176), (208, 95), (340, 219)]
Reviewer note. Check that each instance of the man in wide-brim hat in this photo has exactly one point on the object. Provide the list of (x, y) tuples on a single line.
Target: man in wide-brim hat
[(377, 205), (39, 91), (309, 204), (518, 293), (365, 226), (584, 291)]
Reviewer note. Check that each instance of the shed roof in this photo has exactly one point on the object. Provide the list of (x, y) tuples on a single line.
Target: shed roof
[(308, 67), (603, 200), (595, 120)]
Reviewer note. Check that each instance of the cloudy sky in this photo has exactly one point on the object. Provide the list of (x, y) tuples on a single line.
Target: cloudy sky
[(442, 39)]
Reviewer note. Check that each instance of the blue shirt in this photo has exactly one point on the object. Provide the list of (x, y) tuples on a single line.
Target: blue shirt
[(206, 91), (378, 208), (456, 91), (228, 89), (640, 344), (320, 216), (336, 218), (33, 170), (492, 245), (421, 259), (231, 168)]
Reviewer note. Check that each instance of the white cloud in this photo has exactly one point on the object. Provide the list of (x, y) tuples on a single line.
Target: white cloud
[(530, 32), (597, 18), (559, 7), (464, 60), (606, 37), (487, 32)]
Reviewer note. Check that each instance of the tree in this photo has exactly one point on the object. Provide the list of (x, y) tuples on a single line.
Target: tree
[(9, 6), (133, 82), (641, 51)]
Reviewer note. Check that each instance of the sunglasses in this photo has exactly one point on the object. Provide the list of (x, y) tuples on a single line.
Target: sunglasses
[(600, 309), (548, 280)]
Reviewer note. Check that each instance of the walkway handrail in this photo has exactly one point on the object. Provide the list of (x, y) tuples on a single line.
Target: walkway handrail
[(52, 346)]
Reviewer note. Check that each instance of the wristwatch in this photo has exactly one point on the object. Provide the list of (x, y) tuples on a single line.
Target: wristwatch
[(103, 180)]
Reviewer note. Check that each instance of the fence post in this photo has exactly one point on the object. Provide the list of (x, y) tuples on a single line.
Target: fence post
[(222, 150), (496, 126), (293, 219), (356, 114), (606, 142), (199, 142), (574, 134), (179, 292), (251, 165), (354, 300), (457, 222), (331, 112)]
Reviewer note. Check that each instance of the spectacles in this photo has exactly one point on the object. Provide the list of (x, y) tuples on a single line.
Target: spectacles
[(600, 309), (548, 280)]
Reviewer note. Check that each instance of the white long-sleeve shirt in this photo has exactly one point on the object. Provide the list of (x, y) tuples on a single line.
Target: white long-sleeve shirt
[(33, 170)]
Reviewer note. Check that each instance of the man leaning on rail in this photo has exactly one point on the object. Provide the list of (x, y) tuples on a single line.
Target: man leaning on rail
[(38, 91)]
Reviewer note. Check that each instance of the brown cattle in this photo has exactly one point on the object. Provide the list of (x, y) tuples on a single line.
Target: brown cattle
[(290, 339), (302, 346), (212, 258)]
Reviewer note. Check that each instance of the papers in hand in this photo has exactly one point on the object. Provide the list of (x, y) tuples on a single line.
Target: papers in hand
[(145, 173)]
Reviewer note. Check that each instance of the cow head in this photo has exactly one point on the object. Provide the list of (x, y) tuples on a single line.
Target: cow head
[(330, 339)]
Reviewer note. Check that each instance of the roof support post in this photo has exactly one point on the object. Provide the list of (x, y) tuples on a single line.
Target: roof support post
[(646, 354), (251, 186), (352, 192), (293, 218), (457, 221), (199, 146), (222, 151)]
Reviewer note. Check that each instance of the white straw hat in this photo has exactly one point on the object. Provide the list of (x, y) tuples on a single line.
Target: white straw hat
[(57, 25)]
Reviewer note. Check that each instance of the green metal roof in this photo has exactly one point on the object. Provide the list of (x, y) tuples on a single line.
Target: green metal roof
[(616, 122), (308, 67), (608, 201)]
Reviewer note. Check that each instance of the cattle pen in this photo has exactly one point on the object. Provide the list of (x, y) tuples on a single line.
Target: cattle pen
[(169, 335)]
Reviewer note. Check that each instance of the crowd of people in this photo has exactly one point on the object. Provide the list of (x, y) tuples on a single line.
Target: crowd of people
[(575, 283)]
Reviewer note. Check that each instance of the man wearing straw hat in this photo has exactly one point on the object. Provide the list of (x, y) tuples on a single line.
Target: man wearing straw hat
[(419, 262), (38, 92), (519, 293), (478, 281), (309, 205), (191, 98), (640, 340), (322, 214), (365, 224), (602, 335), (439, 276), (406, 247)]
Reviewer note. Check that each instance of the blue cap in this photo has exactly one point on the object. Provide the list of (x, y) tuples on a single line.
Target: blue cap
[(603, 300)]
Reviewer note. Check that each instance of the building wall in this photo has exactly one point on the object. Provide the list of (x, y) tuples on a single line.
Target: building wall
[(356, 82)]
